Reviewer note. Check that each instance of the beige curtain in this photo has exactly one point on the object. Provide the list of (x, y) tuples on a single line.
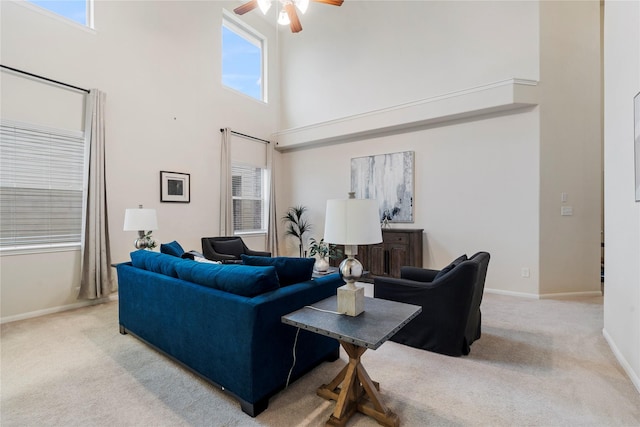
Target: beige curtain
[(272, 225), (226, 201), (96, 279)]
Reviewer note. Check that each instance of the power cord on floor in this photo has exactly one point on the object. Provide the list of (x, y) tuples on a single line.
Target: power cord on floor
[(295, 342)]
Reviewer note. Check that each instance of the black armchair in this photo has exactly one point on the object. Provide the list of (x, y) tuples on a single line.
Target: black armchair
[(227, 249), (450, 320)]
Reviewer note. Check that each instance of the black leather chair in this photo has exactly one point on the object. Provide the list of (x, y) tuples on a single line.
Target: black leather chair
[(227, 249), (450, 320)]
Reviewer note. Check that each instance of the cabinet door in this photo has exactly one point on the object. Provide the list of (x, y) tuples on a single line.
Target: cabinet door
[(376, 262), (398, 256)]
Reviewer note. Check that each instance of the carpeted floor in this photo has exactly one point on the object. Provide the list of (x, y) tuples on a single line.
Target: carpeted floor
[(538, 363)]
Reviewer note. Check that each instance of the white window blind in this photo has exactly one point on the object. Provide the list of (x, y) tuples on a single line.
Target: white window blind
[(248, 190), (41, 180)]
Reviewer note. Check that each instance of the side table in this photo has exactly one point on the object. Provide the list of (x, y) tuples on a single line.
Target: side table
[(352, 389)]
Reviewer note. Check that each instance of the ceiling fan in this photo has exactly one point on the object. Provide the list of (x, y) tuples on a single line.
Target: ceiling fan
[(288, 14)]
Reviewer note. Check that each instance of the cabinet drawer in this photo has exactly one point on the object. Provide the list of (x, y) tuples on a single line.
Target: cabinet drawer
[(395, 238)]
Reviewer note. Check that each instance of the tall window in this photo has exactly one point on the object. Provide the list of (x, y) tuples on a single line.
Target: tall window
[(41, 179), (79, 11), (243, 53), (248, 185)]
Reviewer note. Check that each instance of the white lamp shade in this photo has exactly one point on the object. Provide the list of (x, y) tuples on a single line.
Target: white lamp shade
[(352, 222), (264, 5), (283, 18), (140, 219), (303, 5)]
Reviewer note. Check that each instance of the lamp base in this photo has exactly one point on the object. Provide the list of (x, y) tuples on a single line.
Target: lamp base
[(144, 241), (351, 299)]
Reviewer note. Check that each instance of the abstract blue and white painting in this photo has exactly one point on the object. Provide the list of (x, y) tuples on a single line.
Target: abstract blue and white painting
[(388, 178)]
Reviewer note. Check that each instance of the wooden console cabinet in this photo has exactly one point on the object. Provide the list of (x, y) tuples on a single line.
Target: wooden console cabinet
[(399, 247)]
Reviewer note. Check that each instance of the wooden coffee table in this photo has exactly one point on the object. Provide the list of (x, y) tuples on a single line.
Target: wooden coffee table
[(352, 389)]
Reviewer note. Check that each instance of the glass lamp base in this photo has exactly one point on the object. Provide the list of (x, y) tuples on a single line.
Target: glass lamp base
[(350, 296)]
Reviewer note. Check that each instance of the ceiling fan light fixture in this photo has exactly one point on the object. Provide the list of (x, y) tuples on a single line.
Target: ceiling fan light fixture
[(264, 5), (283, 18), (302, 5)]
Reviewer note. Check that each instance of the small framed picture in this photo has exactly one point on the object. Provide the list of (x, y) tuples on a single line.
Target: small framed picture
[(175, 187)]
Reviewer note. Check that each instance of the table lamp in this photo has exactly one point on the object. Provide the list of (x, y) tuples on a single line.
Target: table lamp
[(351, 222), (140, 220)]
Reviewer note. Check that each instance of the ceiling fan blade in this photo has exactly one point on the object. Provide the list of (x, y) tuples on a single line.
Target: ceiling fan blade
[(247, 7), (295, 25), (331, 2)]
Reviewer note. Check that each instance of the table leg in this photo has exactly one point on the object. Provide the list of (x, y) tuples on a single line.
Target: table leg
[(358, 392)]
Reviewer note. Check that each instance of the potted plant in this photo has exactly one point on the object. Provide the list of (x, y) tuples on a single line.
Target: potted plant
[(297, 226), (325, 251)]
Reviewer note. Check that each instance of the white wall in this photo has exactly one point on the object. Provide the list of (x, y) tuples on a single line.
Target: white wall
[(462, 201), (159, 63), (481, 184), (622, 213), (570, 146), (368, 55)]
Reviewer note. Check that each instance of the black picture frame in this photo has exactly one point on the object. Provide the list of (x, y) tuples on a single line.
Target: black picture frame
[(175, 187)]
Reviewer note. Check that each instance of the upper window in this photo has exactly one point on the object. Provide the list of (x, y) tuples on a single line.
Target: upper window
[(75, 10), (243, 53)]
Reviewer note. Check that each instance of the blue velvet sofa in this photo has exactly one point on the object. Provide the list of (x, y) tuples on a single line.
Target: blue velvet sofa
[(196, 314)]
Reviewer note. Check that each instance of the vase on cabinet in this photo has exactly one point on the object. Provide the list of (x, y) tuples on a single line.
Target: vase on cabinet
[(321, 265)]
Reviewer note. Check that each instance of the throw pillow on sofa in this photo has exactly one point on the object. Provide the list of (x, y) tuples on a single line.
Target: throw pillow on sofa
[(451, 266), (233, 278), (172, 248), (290, 270), (156, 262)]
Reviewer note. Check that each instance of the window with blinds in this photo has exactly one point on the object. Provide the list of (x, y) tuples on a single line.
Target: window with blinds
[(41, 179), (248, 190)]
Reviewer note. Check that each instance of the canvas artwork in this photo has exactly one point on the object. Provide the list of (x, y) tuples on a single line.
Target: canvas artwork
[(388, 178), (636, 114)]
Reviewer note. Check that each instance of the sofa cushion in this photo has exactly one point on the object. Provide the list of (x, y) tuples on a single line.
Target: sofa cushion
[(451, 266), (172, 248), (236, 279), (290, 270), (156, 262), (229, 247)]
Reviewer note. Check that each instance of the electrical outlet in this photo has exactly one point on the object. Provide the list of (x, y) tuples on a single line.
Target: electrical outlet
[(566, 211), (526, 272)]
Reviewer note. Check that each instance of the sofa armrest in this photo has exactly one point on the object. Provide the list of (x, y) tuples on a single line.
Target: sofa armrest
[(418, 274)]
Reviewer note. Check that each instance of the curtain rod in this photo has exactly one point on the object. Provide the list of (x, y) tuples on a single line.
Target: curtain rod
[(248, 136), (44, 78)]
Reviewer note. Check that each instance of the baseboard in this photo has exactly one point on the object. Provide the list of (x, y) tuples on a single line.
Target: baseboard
[(633, 376), (59, 309), (544, 296), (511, 293), (571, 294)]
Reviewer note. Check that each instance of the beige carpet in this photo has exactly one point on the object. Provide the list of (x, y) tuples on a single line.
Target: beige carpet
[(538, 363)]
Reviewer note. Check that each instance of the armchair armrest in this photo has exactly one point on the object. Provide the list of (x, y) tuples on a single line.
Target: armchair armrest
[(418, 274), (257, 253)]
